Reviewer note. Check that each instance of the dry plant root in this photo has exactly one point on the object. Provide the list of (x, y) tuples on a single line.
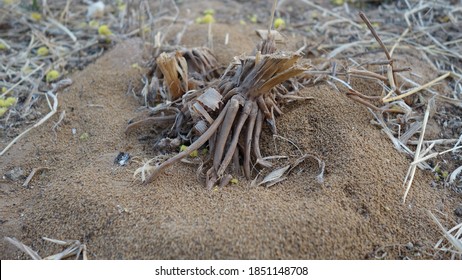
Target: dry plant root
[(244, 97), (223, 109), (226, 111)]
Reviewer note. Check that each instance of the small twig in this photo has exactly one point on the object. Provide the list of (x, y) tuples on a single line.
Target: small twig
[(366, 73), (374, 33), (357, 93), (391, 80), (32, 174), (359, 97), (392, 76), (417, 89)]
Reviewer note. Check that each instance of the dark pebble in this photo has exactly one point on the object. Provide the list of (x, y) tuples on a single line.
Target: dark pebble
[(458, 211)]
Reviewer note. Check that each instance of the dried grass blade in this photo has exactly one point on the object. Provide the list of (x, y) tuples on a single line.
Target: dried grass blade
[(26, 249), (422, 159), (64, 28), (276, 181), (417, 89), (56, 241), (413, 167), (22, 80), (73, 250), (404, 138), (398, 41), (168, 66), (44, 119), (454, 241), (280, 78), (454, 174), (274, 175)]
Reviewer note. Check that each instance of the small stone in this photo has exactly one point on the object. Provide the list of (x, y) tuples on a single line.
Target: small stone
[(458, 211), (122, 159), (15, 174), (409, 246)]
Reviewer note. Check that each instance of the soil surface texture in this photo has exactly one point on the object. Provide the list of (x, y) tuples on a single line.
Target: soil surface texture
[(356, 213)]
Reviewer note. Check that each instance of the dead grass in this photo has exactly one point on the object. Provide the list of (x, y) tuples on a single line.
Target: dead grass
[(452, 242), (427, 28), (64, 37), (74, 249)]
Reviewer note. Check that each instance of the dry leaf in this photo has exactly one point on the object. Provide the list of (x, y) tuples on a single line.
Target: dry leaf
[(321, 165), (454, 175), (168, 65), (263, 33), (274, 175), (211, 99)]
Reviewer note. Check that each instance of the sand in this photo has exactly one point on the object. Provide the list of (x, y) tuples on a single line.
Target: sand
[(356, 213)]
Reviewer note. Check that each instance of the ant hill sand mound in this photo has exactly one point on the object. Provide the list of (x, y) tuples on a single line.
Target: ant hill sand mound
[(356, 213)]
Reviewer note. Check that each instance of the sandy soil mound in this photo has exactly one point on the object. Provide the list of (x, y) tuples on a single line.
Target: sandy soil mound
[(355, 214)]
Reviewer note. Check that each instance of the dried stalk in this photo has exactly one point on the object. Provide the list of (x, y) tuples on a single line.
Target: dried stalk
[(50, 93)]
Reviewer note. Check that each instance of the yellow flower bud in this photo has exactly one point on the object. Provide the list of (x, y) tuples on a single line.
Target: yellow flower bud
[(43, 51), (36, 16), (279, 23), (52, 76), (3, 111), (10, 101), (104, 30), (206, 19)]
